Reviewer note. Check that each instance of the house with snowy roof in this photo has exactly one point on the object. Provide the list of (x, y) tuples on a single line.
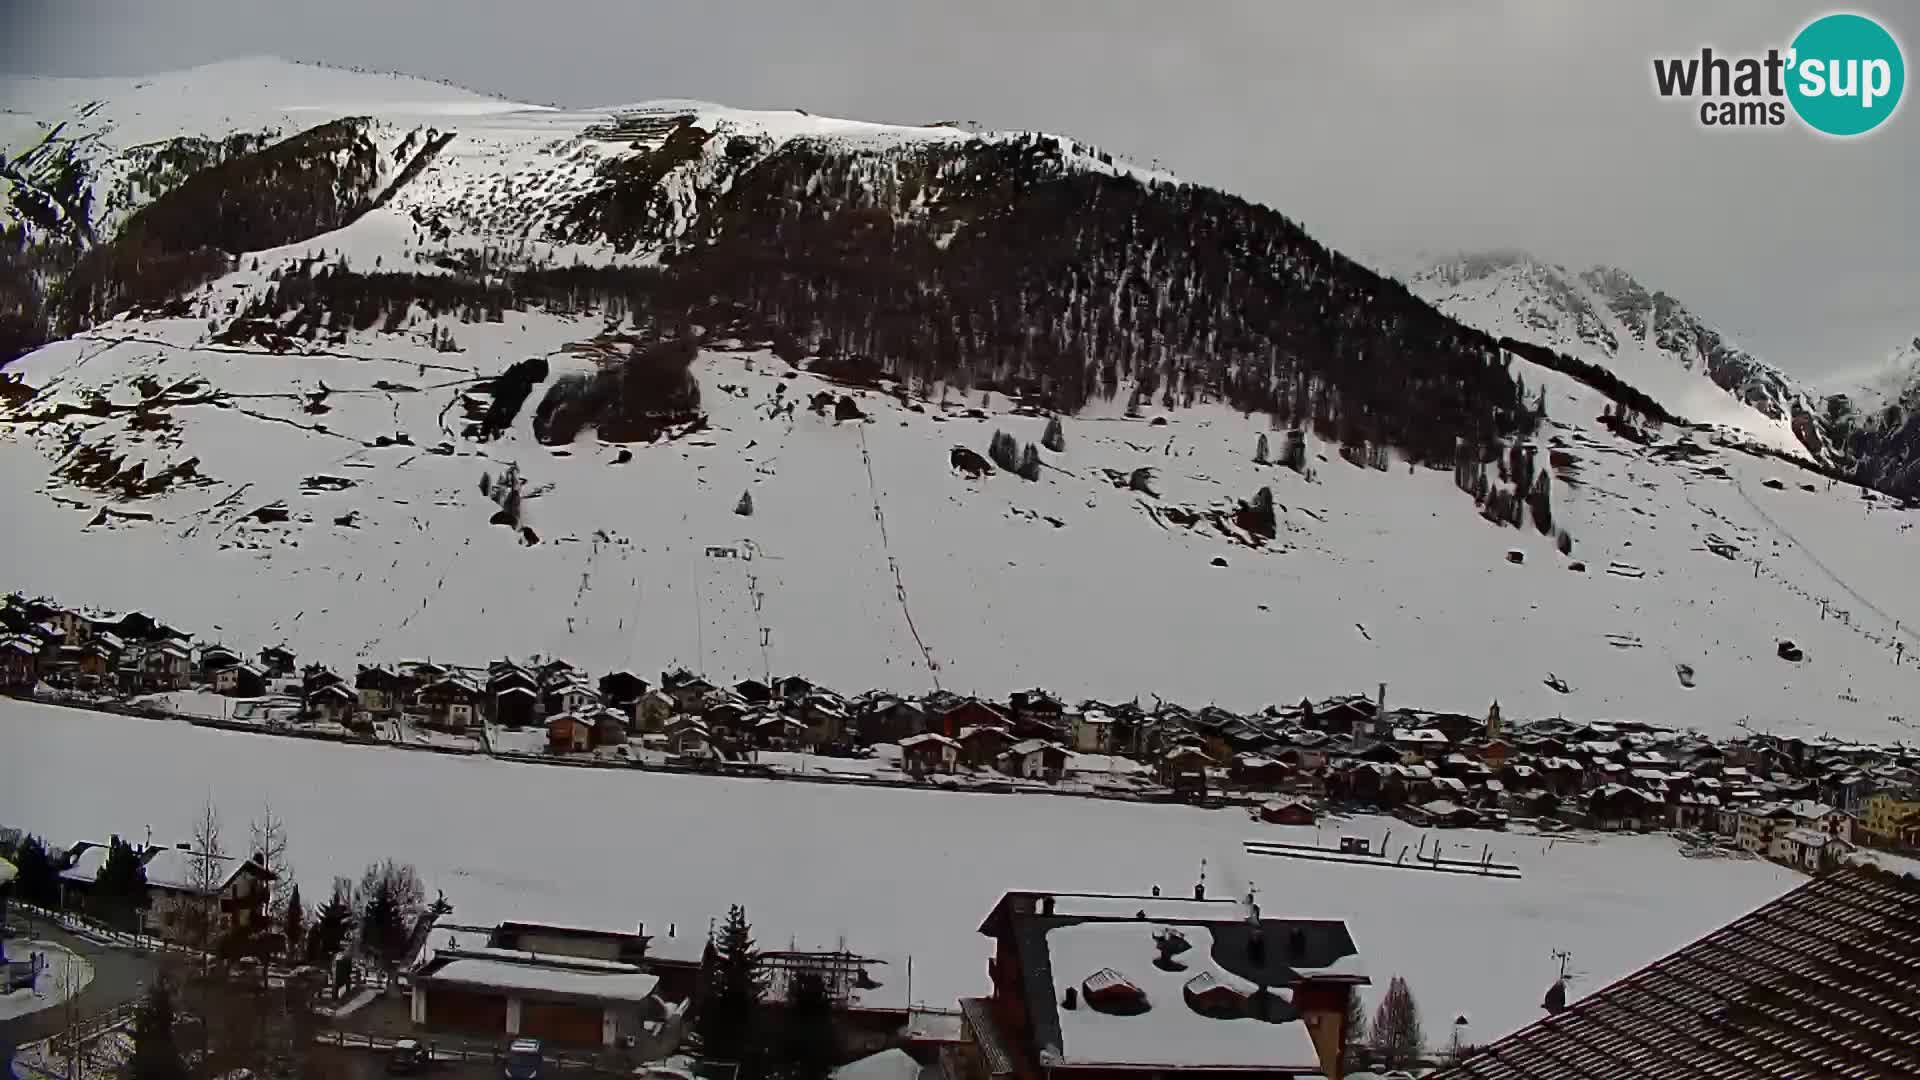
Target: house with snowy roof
[(927, 753), (565, 1000), (1089, 986), (190, 891), (1035, 759), (19, 662)]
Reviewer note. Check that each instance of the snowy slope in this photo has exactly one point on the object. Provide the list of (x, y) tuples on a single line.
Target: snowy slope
[(1376, 575), (874, 869), (1604, 316), (142, 444), (113, 128)]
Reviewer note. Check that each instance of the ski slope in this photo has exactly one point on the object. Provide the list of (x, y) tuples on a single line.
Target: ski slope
[(873, 869), (1070, 582)]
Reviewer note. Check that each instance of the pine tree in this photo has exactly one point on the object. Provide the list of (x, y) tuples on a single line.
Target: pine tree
[(382, 928), (1396, 1036), (735, 992), (745, 506), (293, 923), (37, 882), (1541, 501), (1054, 439), (335, 924), (1030, 463), (1354, 1037), (1260, 452), (155, 1056), (120, 889), (1004, 450), (808, 1049)]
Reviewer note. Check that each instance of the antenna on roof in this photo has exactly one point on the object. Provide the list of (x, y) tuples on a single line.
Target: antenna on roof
[(1200, 886)]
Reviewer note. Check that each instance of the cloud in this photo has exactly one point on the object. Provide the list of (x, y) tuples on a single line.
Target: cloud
[(1384, 128)]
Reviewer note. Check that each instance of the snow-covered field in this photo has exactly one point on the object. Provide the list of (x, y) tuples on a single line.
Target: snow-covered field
[(897, 874), (66, 974)]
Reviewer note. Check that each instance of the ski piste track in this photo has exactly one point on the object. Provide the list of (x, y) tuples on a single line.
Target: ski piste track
[(893, 564)]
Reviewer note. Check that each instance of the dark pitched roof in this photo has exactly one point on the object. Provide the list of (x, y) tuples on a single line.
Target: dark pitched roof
[(1824, 981)]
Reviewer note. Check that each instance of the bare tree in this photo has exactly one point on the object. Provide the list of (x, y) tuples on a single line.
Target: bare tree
[(269, 848), (1396, 1037), (206, 876)]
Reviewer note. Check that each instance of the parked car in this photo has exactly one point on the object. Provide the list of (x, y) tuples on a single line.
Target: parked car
[(523, 1060), (408, 1057)]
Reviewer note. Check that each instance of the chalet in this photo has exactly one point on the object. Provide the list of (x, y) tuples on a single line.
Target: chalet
[(1259, 772), (1288, 812), (556, 671), (242, 680), (753, 691), (19, 663), (504, 676), (215, 657), (928, 753), (778, 731), (1098, 986), (650, 713), (1781, 991), (1035, 759), (419, 674), (1091, 731), (1443, 814), (970, 712), (515, 706), (689, 691), (569, 733), (609, 727), (166, 666), (100, 656), (1184, 769), (569, 696), (452, 703), (1495, 754), (1343, 716), (275, 660), (792, 688), (1457, 727), (690, 739), (80, 867), (1035, 708), (892, 719), (188, 891), (332, 704), (728, 714), (75, 627), (621, 689), (980, 747), (1420, 744), (315, 676), (1617, 806), (825, 716), (379, 690)]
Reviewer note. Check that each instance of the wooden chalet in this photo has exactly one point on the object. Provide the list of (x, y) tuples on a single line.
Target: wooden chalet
[(980, 747), (452, 703), (379, 689), (928, 753), (1821, 982), (971, 712), (515, 706), (569, 733), (275, 660)]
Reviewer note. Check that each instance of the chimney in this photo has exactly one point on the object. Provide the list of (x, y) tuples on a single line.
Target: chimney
[(1200, 890), (1071, 999), (184, 847), (1156, 890), (1046, 905)]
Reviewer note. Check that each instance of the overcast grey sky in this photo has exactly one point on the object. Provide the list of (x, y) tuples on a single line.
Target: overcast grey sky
[(1383, 127)]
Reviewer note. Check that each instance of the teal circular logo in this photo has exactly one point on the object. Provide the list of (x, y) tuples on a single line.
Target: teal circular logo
[(1846, 75)]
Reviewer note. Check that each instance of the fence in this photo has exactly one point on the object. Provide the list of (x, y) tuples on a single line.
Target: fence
[(454, 1049)]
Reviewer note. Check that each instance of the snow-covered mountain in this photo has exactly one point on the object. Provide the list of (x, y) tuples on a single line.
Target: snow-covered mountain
[(475, 379), (1645, 336)]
